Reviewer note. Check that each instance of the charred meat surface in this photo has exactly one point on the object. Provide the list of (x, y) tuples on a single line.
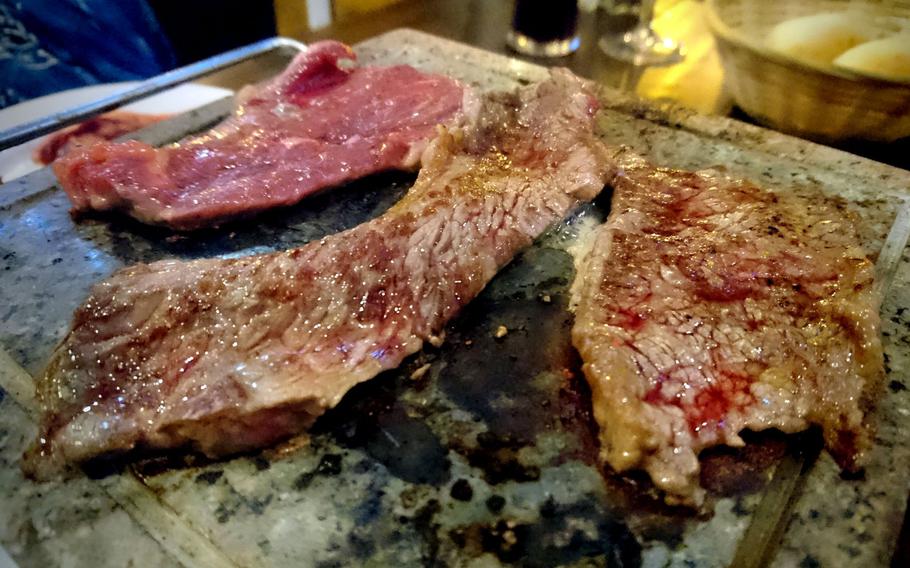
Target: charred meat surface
[(706, 306), (108, 126), (230, 354), (317, 125)]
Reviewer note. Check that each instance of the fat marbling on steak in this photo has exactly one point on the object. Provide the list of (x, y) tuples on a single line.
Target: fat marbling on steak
[(317, 125), (707, 305), (231, 354)]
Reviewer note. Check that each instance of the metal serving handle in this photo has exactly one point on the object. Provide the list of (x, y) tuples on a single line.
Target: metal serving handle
[(25, 132)]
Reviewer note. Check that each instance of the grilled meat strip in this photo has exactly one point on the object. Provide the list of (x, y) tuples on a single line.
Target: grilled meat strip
[(107, 126), (231, 354), (707, 305), (317, 125)]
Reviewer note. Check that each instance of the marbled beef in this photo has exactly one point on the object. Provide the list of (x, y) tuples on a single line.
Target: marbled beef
[(317, 125), (707, 305), (231, 354)]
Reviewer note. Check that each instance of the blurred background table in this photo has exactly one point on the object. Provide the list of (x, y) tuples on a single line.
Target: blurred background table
[(696, 83)]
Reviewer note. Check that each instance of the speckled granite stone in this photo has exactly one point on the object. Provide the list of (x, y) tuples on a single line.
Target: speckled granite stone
[(488, 457), (74, 523)]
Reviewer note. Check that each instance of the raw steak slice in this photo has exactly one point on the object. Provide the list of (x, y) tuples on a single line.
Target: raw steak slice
[(108, 126), (317, 125), (707, 305), (230, 354)]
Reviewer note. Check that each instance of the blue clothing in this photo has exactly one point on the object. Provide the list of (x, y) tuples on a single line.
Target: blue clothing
[(52, 45)]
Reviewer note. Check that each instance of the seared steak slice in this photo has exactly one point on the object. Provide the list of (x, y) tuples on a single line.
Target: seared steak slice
[(230, 354), (707, 305), (315, 126)]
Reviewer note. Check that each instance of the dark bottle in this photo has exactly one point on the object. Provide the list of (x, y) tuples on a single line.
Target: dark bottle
[(544, 27)]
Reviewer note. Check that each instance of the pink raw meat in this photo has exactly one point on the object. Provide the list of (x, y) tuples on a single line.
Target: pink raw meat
[(317, 125)]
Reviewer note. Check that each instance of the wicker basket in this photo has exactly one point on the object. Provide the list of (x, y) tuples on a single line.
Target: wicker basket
[(812, 101)]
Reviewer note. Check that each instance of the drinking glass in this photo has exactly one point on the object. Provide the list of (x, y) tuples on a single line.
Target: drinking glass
[(544, 28), (641, 45)]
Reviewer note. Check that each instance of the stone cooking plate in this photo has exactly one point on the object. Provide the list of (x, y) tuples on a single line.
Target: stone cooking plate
[(486, 459)]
